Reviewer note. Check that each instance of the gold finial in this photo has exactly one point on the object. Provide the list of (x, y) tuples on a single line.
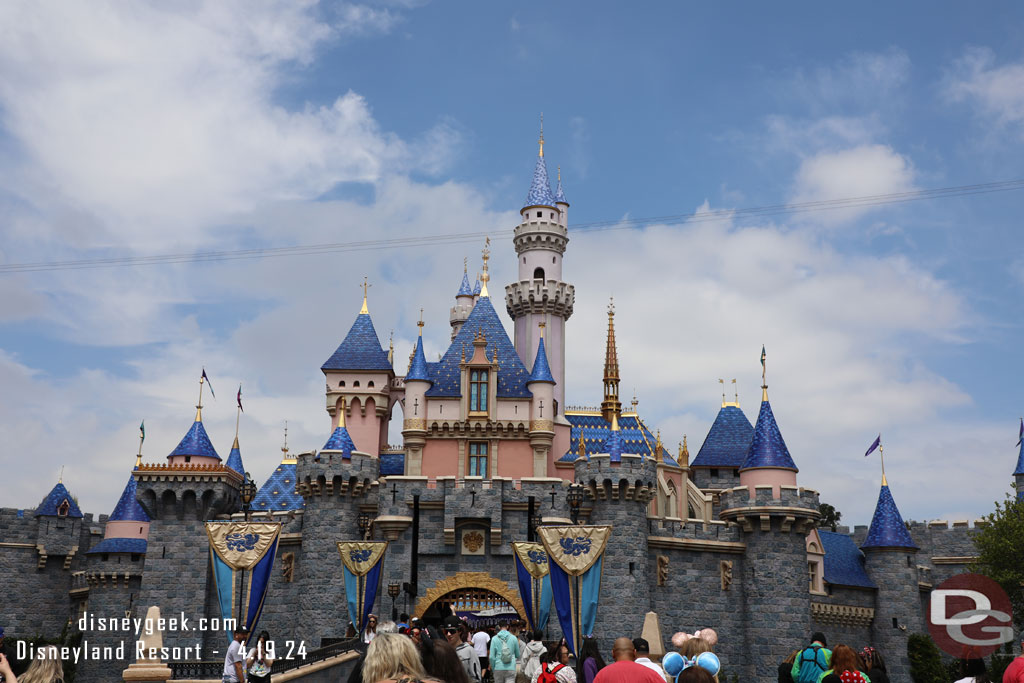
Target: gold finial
[(615, 422), (485, 277), (465, 264), (658, 447), (583, 447), (736, 391), (199, 406), (559, 174), (60, 477), (420, 323), (541, 325), (238, 415), (366, 286), (684, 451), (611, 307), (341, 413), (634, 402), (142, 437), (284, 448), (391, 347), (722, 382), (881, 456), (541, 141)]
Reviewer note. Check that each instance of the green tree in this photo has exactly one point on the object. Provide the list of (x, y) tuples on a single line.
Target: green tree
[(829, 517), (1000, 546), (925, 660)]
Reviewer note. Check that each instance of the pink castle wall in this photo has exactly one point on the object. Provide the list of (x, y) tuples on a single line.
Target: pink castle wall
[(126, 529), (440, 458), (768, 477), (515, 459)]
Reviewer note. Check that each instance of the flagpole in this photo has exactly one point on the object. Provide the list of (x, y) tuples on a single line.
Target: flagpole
[(199, 406), (881, 456), (142, 437)]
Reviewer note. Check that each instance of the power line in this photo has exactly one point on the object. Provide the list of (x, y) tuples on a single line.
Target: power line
[(452, 238)]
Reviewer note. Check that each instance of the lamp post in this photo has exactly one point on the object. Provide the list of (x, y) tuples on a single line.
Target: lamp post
[(575, 498), (247, 492), (394, 588), (364, 524)]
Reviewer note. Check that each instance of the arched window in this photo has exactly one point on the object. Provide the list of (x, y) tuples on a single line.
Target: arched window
[(341, 383), (370, 383), (356, 383), (671, 503), (64, 508), (538, 273)]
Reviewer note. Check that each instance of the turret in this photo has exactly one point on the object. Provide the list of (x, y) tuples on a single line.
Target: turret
[(464, 300), (610, 405), (235, 457), (889, 554), (360, 373), (561, 203), (542, 429), (1018, 474), (59, 525), (719, 459), (768, 462), (417, 382)]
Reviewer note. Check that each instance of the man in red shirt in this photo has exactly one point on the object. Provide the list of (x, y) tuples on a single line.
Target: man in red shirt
[(625, 670), (1015, 672)]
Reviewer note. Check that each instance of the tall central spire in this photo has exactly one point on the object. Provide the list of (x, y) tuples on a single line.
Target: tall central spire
[(610, 406), (485, 276), (541, 141)]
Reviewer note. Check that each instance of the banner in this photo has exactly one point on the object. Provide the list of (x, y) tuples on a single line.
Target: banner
[(534, 582), (575, 554), (246, 549), (361, 562)]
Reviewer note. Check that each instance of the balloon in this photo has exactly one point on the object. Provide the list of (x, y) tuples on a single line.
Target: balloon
[(673, 663)]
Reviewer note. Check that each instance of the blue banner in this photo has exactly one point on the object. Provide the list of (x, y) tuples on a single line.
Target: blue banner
[(575, 554), (361, 563), (532, 574), (242, 557)]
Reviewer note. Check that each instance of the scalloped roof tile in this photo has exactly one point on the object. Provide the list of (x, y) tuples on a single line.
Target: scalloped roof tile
[(340, 441), (278, 491), (418, 369), (128, 508), (540, 187), (512, 374), (767, 448), (559, 195), (541, 372), (844, 562), (195, 442), (360, 350), (57, 495), (728, 440), (887, 528), (594, 429), (392, 463), (119, 545), (235, 459), (464, 288)]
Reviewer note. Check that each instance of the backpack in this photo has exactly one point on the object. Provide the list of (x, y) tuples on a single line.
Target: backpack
[(812, 664), (506, 653), (546, 676)]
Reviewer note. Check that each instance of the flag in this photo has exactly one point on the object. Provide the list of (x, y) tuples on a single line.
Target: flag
[(1020, 434), (236, 547), (209, 382), (763, 357), (142, 431), (239, 398), (531, 563), (875, 444), (362, 564)]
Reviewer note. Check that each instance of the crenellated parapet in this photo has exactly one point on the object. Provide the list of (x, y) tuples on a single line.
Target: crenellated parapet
[(540, 296), (795, 507), (328, 475), (634, 478)]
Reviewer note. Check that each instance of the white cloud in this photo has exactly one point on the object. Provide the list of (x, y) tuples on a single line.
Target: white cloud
[(858, 80), (996, 91)]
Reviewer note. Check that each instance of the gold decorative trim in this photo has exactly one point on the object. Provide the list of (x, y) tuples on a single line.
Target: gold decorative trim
[(462, 580), (696, 544), (542, 426), (842, 615), (964, 559), (415, 423)]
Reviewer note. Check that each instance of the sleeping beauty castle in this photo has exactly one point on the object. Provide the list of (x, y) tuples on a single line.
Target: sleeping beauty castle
[(494, 465)]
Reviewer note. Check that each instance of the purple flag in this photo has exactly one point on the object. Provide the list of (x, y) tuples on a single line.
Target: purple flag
[(876, 444), (209, 382), (240, 398), (1020, 435)]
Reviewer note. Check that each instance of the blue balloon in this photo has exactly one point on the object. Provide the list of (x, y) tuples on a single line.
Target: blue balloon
[(673, 663)]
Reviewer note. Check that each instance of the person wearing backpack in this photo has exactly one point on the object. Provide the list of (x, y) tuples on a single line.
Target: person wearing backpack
[(554, 667), (504, 655), (812, 661)]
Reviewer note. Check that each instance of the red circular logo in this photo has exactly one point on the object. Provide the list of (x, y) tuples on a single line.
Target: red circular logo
[(969, 616)]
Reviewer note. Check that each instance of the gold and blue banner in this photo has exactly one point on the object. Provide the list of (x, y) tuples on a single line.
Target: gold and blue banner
[(246, 549), (361, 562), (575, 554), (534, 582)]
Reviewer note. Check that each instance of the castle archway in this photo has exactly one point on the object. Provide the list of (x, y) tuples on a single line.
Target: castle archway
[(468, 591)]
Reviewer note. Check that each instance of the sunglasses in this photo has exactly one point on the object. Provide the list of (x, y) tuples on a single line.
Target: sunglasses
[(450, 631)]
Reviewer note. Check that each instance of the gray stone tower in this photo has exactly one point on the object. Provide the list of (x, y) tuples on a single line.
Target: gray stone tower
[(774, 517), (890, 553), (619, 487), (540, 295), (334, 483)]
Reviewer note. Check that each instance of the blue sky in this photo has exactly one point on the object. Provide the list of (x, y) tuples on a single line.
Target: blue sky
[(231, 125)]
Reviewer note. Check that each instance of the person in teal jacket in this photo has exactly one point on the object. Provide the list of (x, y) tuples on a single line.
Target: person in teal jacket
[(504, 654), (812, 661)]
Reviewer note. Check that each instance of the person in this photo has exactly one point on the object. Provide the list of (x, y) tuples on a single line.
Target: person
[(786, 667), (403, 622), (441, 662), (812, 660), (233, 660), (392, 657), (694, 674), (1015, 672), (874, 665), (590, 661), (531, 654), (258, 663), (456, 634), (698, 644), (45, 669), (480, 641), (625, 670), (504, 653), (416, 634), (973, 671), (554, 667), (643, 656), (370, 632), (846, 667), (6, 674)]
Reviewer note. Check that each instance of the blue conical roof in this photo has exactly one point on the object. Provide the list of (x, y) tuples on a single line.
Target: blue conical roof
[(728, 440), (340, 441), (196, 442), (559, 195), (541, 371), (360, 350), (128, 508), (418, 368), (613, 446), (887, 528), (57, 495), (477, 288), (235, 459), (1020, 460), (464, 288), (540, 187), (768, 449)]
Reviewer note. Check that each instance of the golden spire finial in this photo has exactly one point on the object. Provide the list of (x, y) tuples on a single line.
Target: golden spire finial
[(722, 382), (634, 402), (60, 477), (583, 447), (341, 413), (559, 173), (199, 406), (238, 416), (284, 448), (541, 325), (142, 437), (485, 277), (658, 447), (465, 264), (615, 422), (366, 286), (736, 391), (881, 456), (420, 323), (391, 347), (684, 452), (541, 141), (610, 405)]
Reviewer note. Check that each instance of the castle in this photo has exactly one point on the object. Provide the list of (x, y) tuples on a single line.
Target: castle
[(727, 540)]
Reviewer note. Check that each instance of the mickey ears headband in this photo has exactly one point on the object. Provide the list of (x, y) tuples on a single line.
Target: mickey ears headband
[(675, 663)]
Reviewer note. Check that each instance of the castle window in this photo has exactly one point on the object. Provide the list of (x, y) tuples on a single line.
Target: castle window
[(104, 557), (552, 259), (538, 273), (478, 458), (341, 383), (356, 383), (370, 383), (135, 557), (64, 508), (539, 214), (552, 216), (714, 472), (478, 391), (188, 458)]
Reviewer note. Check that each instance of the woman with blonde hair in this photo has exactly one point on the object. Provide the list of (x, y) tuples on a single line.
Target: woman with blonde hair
[(45, 669), (392, 658)]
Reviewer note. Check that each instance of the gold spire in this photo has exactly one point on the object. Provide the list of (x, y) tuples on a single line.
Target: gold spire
[(684, 453), (484, 277), (583, 447), (284, 448), (366, 286), (541, 325), (541, 141), (420, 323), (726, 403), (391, 348), (238, 415), (60, 477), (199, 406), (611, 406), (881, 456), (465, 265), (658, 448), (142, 437), (722, 382), (615, 422), (341, 413)]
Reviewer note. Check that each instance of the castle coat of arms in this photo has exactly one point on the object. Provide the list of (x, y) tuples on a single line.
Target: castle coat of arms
[(473, 541)]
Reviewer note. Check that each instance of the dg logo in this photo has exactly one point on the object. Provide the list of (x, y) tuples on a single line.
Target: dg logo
[(969, 616)]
